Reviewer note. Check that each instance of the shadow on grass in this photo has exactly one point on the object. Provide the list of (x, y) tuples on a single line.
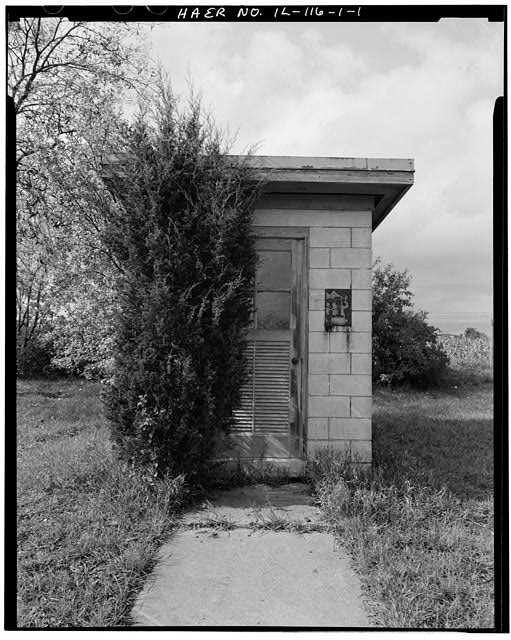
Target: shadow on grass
[(456, 454)]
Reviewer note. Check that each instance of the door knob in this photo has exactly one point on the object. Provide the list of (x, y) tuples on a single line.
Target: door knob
[(294, 360)]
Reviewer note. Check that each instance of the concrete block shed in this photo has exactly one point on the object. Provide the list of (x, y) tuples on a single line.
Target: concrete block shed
[(310, 343)]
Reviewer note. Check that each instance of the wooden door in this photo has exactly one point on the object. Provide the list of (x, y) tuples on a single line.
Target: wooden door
[(269, 421)]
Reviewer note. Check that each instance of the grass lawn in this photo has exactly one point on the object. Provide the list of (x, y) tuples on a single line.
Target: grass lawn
[(87, 531), (419, 525)]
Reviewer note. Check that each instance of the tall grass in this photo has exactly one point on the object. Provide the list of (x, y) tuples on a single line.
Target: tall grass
[(419, 524), (88, 531)]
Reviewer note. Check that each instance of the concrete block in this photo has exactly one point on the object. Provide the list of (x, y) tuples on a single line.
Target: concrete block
[(329, 363), (318, 384), (361, 237), (317, 299), (343, 449), (360, 450), (350, 342), (329, 407), (296, 218), (319, 258), (350, 450), (361, 300), (268, 218), (314, 218), (350, 428), (315, 447), (361, 363), (339, 340), (330, 278), (350, 385), (361, 320), (311, 218), (330, 237), (361, 407), (317, 428), (290, 218), (352, 218), (318, 342), (317, 320), (361, 279), (351, 258)]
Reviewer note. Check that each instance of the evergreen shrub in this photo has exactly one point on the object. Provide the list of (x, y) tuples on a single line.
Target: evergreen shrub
[(181, 229)]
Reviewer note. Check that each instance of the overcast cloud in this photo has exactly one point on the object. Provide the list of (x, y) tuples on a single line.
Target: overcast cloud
[(422, 91)]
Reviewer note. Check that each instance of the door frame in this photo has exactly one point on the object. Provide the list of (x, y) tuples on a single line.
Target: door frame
[(298, 233)]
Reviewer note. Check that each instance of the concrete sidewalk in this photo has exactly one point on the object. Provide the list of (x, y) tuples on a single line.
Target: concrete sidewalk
[(254, 556)]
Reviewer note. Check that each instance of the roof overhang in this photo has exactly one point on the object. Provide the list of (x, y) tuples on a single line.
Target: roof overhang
[(387, 180)]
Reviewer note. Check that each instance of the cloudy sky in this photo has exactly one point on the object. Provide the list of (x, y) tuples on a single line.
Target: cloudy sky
[(417, 90)]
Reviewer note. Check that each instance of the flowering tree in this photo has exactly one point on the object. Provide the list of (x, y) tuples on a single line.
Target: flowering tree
[(67, 81)]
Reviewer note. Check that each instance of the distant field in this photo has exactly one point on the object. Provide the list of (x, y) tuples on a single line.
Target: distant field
[(470, 359), (457, 322)]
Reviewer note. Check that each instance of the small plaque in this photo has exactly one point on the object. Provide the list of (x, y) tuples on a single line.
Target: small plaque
[(337, 308)]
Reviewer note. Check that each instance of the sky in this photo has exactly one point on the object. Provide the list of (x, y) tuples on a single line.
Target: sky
[(384, 90)]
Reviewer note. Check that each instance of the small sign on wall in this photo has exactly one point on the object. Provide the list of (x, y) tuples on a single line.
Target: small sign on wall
[(337, 308)]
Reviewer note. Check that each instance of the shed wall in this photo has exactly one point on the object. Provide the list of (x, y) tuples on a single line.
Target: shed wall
[(339, 399)]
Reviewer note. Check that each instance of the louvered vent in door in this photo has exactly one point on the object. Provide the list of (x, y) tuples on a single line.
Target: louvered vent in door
[(271, 386), (244, 415), (264, 406)]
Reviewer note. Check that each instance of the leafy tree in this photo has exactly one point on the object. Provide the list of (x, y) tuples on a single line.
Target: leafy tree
[(405, 346), (66, 80), (182, 231)]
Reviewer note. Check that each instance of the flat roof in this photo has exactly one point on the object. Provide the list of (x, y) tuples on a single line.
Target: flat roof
[(386, 179)]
